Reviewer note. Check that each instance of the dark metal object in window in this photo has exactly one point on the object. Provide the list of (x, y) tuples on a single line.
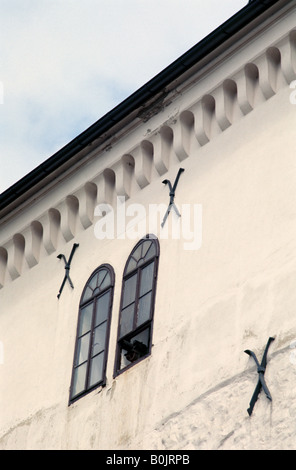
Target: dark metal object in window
[(261, 381), (137, 304), (91, 350), (67, 268)]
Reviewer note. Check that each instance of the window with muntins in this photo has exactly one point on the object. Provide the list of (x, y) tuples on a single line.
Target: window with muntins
[(91, 349), (137, 304)]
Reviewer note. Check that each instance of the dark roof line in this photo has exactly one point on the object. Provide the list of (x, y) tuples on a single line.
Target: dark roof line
[(194, 55)]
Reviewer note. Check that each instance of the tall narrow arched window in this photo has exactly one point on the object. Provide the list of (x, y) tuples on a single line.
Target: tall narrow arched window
[(137, 304), (91, 349)]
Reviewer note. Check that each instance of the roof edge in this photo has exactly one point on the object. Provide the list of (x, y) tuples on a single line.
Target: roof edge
[(137, 99)]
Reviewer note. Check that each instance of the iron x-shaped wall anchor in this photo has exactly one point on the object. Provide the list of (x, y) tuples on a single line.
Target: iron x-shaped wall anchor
[(172, 196), (261, 381), (67, 268)]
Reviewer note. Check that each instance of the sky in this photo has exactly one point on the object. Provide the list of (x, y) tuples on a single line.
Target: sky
[(65, 63)]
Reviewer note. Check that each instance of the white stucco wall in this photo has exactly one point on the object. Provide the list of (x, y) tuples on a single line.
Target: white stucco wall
[(232, 293)]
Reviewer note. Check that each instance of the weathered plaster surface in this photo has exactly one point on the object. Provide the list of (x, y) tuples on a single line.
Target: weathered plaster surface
[(231, 294)]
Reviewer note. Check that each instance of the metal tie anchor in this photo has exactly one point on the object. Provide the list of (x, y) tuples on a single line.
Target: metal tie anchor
[(261, 370), (172, 196), (67, 268)]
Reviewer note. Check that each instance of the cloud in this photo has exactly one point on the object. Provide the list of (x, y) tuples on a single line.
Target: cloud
[(65, 63)]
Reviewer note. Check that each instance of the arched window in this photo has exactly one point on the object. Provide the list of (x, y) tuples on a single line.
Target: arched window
[(91, 349), (137, 304)]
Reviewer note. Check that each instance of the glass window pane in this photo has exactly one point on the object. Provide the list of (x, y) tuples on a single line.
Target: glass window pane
[(144, 309), (87, 294), (143, 338), (79, 380), (137, 254), (129, 290), (96, 291), (127, 320), (102, 308), (100, 276), (151, 253), (132, 264), (147, 250), (106, 282), (85, 319), (124, 362), (99, 339), (96, 369), (146, 279), (82, 349), (93, 282)]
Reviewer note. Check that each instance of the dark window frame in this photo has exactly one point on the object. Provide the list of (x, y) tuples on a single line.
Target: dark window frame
[(92, 300), (148, 324)]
